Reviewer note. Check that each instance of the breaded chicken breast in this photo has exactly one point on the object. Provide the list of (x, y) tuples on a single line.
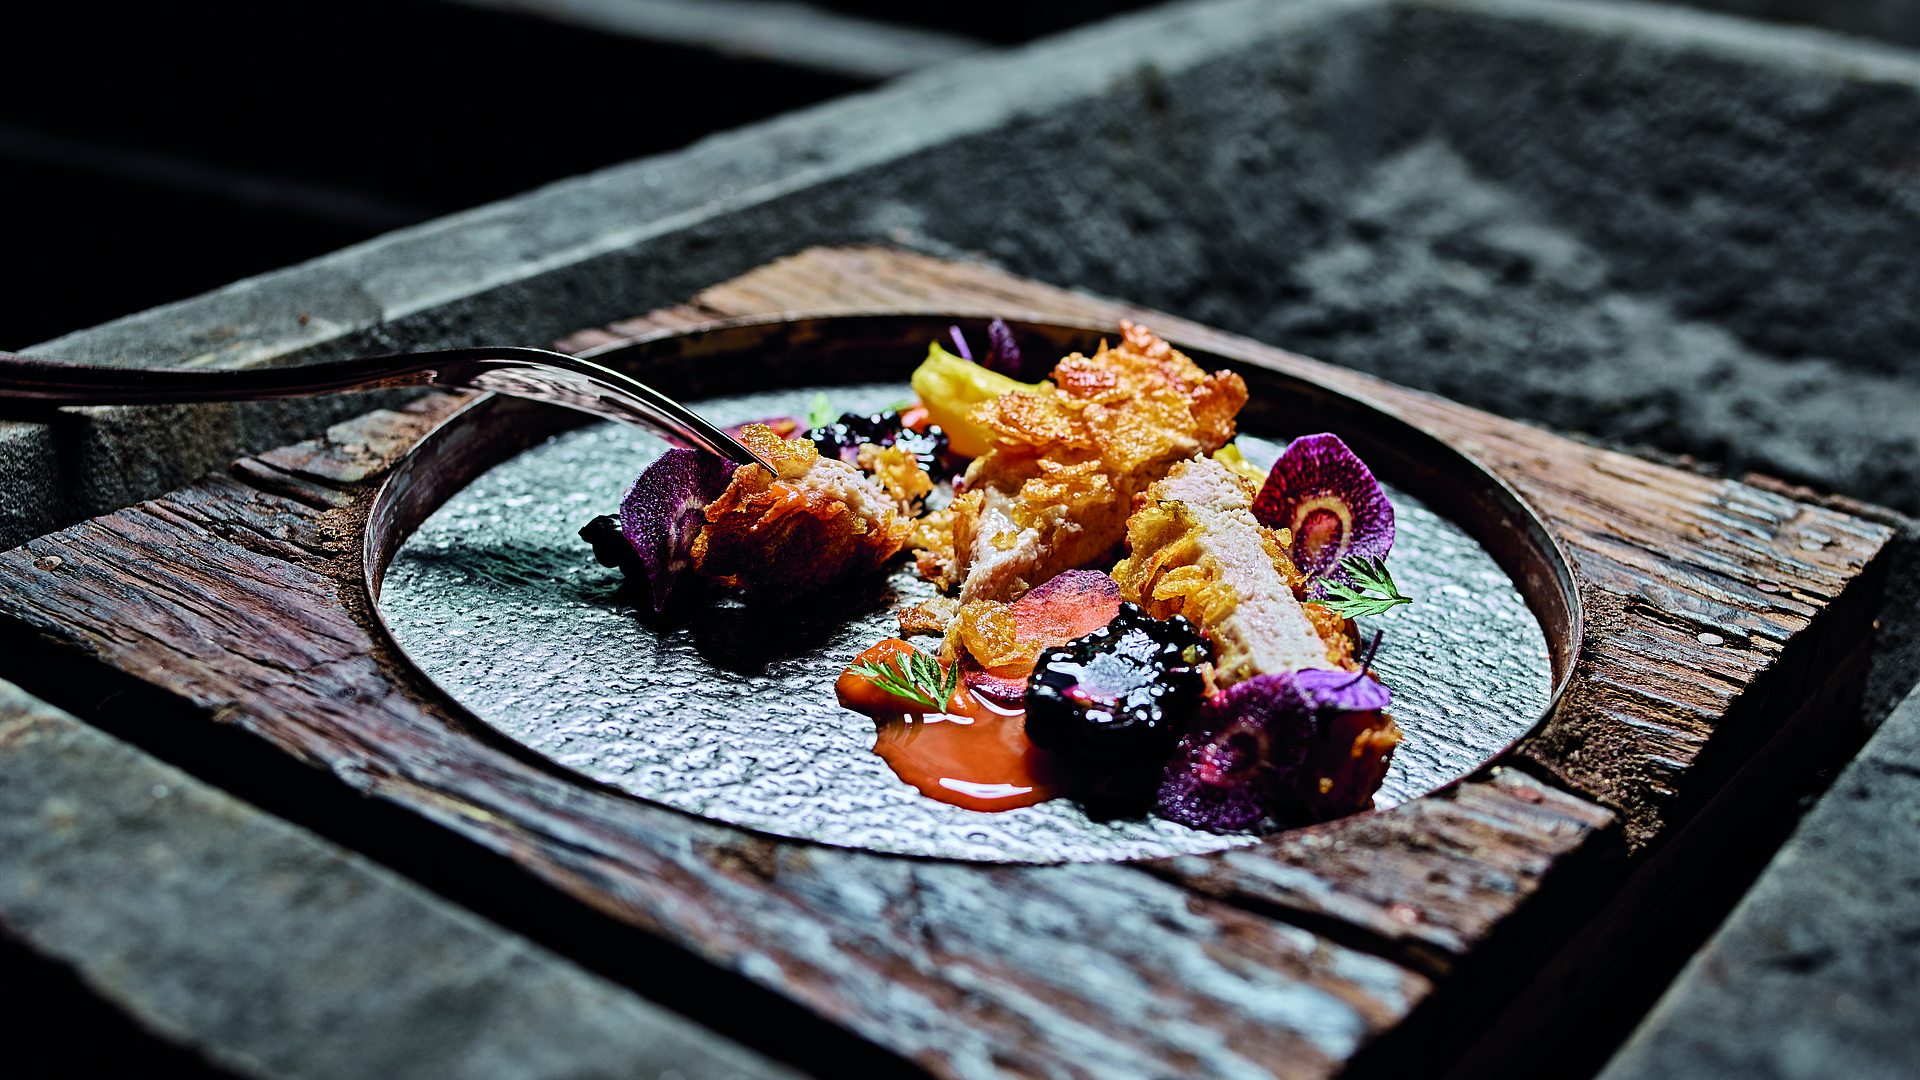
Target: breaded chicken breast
[(818, 521), (1054, 492), (1197, 551)]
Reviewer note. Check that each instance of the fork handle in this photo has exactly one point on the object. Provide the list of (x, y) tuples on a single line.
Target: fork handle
[(522, 372), (57, 382)]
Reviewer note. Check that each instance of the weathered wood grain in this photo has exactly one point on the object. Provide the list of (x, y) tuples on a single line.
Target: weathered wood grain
[(1715, 611), (1422, 875)]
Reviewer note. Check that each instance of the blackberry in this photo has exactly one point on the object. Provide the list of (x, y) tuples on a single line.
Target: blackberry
[(610, 545), (1116, 700), (930, 448), (843, 437)]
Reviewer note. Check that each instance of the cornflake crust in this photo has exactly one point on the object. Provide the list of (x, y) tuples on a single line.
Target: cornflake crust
[(1198, 551), (1054, 491), (817, 521), (930, 616)]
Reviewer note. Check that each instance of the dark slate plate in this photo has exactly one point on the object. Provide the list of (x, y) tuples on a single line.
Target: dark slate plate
[(728, 711)]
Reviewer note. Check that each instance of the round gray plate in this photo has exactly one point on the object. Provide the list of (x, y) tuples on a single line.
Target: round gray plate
[(727, 711)]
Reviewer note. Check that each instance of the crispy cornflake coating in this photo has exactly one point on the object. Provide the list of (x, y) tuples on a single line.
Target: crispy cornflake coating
[(1054, 490), (1198, 551), (930, 616), (899, 472), (932, 542), (987, 630), (817, 521)]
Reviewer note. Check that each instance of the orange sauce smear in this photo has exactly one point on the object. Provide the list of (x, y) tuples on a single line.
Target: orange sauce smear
[(975, 754)]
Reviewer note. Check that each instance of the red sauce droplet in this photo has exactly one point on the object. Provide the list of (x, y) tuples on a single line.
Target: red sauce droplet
[(975, 754)]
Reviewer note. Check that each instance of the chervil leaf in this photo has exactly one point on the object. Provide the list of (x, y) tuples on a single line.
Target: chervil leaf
[(1373, 593), (915, 676)]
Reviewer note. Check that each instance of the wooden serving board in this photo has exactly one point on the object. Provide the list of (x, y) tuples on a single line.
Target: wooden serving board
[(1727, 629)]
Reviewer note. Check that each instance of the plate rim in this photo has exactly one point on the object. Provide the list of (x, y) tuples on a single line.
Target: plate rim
[(494, 427)]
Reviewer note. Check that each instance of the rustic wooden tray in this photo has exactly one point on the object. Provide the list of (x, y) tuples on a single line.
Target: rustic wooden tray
[(1727, 627)]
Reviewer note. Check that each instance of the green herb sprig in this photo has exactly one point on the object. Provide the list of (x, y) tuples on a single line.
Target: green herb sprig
[(914, 676), (820, 411), (1372, 578)]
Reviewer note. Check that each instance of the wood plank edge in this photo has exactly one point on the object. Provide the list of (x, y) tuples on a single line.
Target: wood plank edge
[(1571, 747), (1400, 927), (428, 836), (1580, 1002)]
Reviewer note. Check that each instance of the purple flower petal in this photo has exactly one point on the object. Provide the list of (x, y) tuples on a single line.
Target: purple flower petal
[(1242, 756), (665, 510), (1331, 501), (1341, 691), (1003, 353), (960, 342)]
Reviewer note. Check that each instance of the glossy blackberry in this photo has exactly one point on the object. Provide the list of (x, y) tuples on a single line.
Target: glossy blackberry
[(930, 448), (610, 546), (843, 437), (1118, 699)]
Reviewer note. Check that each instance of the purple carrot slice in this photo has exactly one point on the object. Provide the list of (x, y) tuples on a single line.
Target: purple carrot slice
[(665, 510), (1329, 498), (1241, 757), (1241, 762)]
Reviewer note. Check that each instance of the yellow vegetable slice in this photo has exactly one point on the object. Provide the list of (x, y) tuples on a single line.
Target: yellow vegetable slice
[(950, 388), (1230, 456)]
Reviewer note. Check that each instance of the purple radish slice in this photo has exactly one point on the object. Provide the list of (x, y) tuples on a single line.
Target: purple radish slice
[(666, 508), (1003, 353), (1329, 498)]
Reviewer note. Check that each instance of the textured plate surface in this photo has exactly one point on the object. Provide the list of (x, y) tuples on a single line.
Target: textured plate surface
[(728, 711)]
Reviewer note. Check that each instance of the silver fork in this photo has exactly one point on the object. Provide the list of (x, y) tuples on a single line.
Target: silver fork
[(522, 372)]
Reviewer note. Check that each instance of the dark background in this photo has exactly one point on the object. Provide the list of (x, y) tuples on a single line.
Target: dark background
[(149, 153)]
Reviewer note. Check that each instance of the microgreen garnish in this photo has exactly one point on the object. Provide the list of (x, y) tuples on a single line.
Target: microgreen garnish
[(1372, 577), (915, 676), (820, 411)]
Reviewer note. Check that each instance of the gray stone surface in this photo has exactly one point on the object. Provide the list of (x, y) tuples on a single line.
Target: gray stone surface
[(1813, 975), (278, 955), (1889, 20), (1651, 224)]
